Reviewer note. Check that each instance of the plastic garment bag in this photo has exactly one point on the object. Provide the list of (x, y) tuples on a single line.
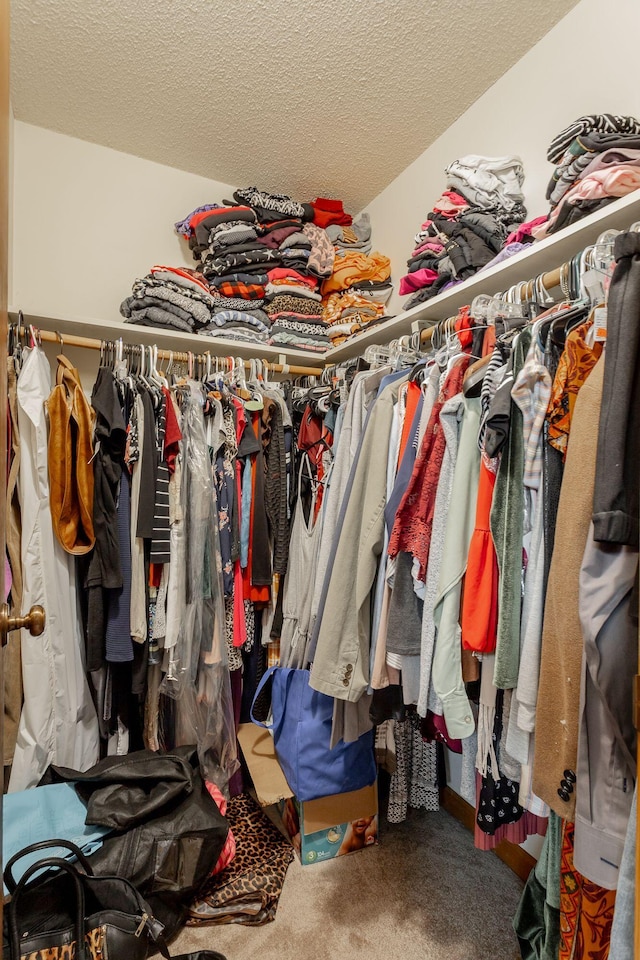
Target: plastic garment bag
[(197, 673)]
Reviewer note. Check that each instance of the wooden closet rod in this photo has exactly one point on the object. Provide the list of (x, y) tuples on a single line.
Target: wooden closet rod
[(89, 343), (549, 281)]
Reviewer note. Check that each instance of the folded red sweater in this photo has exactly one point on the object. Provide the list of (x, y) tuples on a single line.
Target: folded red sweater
[(326, 212)]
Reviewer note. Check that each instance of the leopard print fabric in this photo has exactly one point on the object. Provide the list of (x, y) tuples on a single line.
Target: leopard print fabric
[(248, 890), (95, 939)]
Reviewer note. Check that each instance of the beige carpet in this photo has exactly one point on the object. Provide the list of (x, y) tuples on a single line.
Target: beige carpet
[(424, 893)]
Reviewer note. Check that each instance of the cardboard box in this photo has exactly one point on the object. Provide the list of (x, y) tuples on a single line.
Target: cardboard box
[(318, 829)]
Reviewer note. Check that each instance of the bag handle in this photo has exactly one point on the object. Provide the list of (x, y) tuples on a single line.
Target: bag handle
[(161, 944), (7, 876), (265, 680), (59, 864)]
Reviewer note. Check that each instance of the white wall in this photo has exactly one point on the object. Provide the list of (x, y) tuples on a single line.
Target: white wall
[(88, 220), (583, 65)]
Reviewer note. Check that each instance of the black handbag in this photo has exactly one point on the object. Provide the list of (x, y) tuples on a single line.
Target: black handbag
[(105, 914), (63, 906), (167, 830)]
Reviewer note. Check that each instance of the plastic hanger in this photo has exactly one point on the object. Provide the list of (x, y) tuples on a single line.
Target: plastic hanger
[(156, 376), (454, 351), (238, 378), (142, 370), (403, 353), (120, 369), (474, 376), (35, 336), (568, 319), (168, 372), (256, 400), (504, 310), (377, 356)]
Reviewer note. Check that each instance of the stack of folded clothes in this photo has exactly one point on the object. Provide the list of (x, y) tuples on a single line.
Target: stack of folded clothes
[(243, 245), (467, 226), (271, 263), (348, 313), (295, 310), (223, 239), (237, 319), (356, 292), (597, 159), (171, 297)]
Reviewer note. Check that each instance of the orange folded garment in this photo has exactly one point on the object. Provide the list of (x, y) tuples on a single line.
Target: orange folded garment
[(355, 267), (337, 303)]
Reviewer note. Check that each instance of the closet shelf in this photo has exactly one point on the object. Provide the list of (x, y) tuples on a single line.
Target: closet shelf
[(166, 339), (541, 257)]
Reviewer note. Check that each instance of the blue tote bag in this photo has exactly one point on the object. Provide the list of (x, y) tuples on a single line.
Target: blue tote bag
[(302, 720)]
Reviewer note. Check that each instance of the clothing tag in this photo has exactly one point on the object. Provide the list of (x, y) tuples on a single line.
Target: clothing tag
[(600, 324), (593, 282)]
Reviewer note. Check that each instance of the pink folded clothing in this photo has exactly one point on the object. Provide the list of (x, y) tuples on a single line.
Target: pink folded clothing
[(611, 158), (450, 204), (616, 181), (417, 281), (288, 273), (524, 230), (229, 849), (432, 245)]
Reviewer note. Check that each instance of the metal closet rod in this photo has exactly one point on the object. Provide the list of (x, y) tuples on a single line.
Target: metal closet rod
[(549, 281), (89, 343)]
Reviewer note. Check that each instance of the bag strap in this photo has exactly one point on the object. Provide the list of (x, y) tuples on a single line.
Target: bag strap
[(7, 876), (304, 461), (263, 683), (43, 864), (161, 944)]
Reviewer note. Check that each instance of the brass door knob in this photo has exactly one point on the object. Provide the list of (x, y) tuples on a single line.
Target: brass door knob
[(34, 621)]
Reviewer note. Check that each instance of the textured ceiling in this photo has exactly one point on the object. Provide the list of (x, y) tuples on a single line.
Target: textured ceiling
[(331, 98)]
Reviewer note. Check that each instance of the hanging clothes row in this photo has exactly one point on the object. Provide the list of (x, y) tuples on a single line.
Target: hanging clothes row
[(195, 363), (152, 523), (475, 570)]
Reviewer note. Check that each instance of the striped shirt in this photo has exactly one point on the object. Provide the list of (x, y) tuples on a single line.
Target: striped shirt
[(160, 541)]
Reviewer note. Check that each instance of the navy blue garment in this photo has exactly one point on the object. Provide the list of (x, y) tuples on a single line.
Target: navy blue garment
[(404, 470), (118, 642)]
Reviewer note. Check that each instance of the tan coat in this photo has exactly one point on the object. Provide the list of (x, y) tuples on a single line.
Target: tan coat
[(557, 714)]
